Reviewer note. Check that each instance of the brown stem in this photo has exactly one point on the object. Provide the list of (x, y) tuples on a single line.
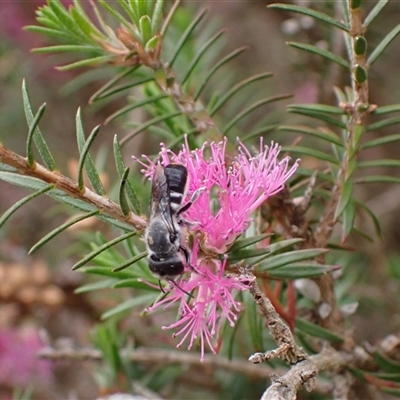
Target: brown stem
[(104, 204)]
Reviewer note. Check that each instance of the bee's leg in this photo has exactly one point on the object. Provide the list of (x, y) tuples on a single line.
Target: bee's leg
[(159, 284), (170, 280), (194, 197), (187, 259)]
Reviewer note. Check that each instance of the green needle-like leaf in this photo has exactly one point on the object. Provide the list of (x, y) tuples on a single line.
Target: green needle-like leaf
[(375, 12), (90, 168), (100, 249), (91, 172), (245, 242), (149, 123), (290, 257), (21, 202), (130, 192), (326, 135), (318, 115), (109, 88), (129, 262), (345, 197), (311, 13), (321, 52), (380, 141), (386, 109), (122, 197), (383, 124), (90, 287), (235, 89), (312, 153), (254, 323), (379, 163), (251, 108), (216, 67), (206, 46), (60, 229), (349, 215), (378, 179), (373, 217), (86, 63), (323, 108), (130, 107), (317, 331), (128, 305), (157, 15), (301, 270), (37, 136), (186, 35), (383, 44), (32, 129)]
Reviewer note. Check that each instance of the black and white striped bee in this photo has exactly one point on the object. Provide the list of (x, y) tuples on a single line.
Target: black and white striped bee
[(167, 256)]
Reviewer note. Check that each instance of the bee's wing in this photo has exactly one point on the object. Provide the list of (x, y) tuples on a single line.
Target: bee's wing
[(160, 200)]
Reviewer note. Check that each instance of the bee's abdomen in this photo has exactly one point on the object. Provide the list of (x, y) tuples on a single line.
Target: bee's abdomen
[(176, 177)]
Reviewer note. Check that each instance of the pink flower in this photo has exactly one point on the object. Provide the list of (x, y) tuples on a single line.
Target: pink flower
[(212, 304), (232, 192), (222, 212)]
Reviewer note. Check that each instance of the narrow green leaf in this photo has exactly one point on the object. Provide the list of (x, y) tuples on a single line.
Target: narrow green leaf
[(157, 15), (246, 254), (382, 124), (317, 331), (129, 262), (373, 217), (186, 35), (102, 92), (130, 192), (317, 108), (32, 131), (128, 305), (224, 98), (300, 270), (345, 197), (289, 257), (121, 19), (386, 109), (37, 137), (378, 179), (62, 48), (312, 153), (318, 115), (321, 52), (90, 168), (86, 63), (84, 23), (21, 202), (254, 323), (326, 135), (375, 12), (216, 67), (379, 163), (149, 123), (84, 152), (66, 20), (145, 28), (122, 197), (349, 215), (100, 249), (24, 181), (311, 13), (95, 286), (134, 283), (251, 108), (259, 132), (206, 46), (245, 242), (135, 105), (380, 141), (383, 44), (60, 229), (387, 364), (48, 32)]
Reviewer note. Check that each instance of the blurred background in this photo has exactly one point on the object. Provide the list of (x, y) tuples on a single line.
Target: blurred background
[(37, 299)]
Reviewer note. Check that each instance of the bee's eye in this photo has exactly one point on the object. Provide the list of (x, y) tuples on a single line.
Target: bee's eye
[(172, 237)]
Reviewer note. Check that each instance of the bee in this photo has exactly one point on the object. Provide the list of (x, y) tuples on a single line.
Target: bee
[(167, 256)]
